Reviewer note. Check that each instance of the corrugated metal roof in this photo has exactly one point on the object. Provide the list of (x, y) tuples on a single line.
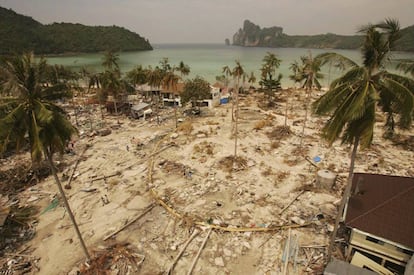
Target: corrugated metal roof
[(383, 206), (139, 106)]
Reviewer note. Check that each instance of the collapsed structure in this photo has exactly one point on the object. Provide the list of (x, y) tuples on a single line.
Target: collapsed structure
[(380, 217)]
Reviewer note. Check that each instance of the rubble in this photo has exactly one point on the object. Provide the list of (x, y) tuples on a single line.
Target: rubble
[(194, 183)]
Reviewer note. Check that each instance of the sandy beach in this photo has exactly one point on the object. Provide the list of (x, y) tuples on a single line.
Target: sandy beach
[(181, 178)]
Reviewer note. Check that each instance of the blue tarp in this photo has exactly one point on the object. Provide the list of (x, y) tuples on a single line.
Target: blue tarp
[(224, 100)]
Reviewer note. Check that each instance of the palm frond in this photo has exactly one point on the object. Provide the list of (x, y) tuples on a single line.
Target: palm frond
[(402, 100), (336, 59)]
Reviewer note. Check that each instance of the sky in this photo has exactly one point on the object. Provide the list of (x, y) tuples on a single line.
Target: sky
[(212, 21)]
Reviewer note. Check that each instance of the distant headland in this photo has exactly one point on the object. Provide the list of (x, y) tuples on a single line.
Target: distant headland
[(21, 33), (252, 35)]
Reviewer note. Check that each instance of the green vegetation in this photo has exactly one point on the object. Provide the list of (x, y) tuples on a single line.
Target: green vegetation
[(21, 33), (34, 118), (354, 98), (252, 35), (270, 85), (194, 90)]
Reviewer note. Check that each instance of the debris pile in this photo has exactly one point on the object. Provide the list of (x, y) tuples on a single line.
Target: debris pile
[(120, 259)]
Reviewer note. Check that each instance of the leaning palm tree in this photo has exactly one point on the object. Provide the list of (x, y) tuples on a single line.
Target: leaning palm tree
[(34, 118), (352, 99)]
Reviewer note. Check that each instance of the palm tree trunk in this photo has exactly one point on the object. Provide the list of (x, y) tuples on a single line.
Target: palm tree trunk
[(286, 110), (232, 108), (116, 110), (345, 198), (306, 118), (65, 201), (236, 120), (175, 115), (75, 110)]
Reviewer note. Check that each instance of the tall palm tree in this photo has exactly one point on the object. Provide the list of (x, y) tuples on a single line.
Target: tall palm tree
[(34, 118), (237, 73), (111, 85), (170, 81), (352, 99), (296, 77), (228, 72), (154, 77), (310, 75), (110, 79)]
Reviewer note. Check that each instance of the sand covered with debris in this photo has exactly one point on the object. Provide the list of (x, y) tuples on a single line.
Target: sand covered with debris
[(185, 181)]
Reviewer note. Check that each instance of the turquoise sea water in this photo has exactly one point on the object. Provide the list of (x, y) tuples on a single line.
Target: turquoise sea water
[(207, 60)]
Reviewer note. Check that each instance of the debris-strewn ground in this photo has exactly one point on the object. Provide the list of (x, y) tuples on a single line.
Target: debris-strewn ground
[(254, 202)]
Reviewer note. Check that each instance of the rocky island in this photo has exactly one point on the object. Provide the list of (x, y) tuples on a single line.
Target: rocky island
[(252, 35)]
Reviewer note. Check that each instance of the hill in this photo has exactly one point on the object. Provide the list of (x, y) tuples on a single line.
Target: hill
[(22, 33), (252, 35)]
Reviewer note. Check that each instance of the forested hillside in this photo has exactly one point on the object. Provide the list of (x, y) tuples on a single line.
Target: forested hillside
[(252, 35), (22, 33)]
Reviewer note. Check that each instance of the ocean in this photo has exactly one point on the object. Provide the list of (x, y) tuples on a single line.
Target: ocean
[(207, 60)]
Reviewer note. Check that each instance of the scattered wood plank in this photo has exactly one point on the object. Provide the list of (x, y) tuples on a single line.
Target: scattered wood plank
[(107, 177), (148, 209), (287, 206), (170, 269), (199, 252), (68, 186), (286, 253)]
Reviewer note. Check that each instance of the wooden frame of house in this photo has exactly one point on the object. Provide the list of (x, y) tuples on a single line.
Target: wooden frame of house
[(171, 97), (380, 216)]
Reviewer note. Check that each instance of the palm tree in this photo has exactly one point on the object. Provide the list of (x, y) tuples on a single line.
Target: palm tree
[(310, 75), (407, 66), (252, 79), (352, 99), (154, 77), (137, 76), (237, 73), (111, 86), (34, 117), (110, 61), (228, 72), (170, 81), (110, 79), (165, 66), (184, 69), (268, 70)]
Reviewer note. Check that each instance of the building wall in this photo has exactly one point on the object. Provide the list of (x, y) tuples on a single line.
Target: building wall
[(385, 252)]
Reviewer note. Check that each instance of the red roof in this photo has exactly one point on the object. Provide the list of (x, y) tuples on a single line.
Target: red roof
[(383, 206)]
